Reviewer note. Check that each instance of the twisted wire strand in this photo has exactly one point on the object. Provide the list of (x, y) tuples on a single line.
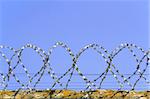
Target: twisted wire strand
[(90, 84), (128, 46)]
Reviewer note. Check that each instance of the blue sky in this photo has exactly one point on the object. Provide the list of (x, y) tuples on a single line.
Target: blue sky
[(76, 23)]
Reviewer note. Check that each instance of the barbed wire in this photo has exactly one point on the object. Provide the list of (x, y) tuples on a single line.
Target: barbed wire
[(46, 68)]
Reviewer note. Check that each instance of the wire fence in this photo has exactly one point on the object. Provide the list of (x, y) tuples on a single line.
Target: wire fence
[(88, 85)]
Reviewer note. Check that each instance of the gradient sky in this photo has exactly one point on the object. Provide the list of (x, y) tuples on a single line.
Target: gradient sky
[(76, 23)]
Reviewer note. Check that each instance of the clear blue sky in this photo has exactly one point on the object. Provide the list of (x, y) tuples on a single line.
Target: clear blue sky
[(76, 23)]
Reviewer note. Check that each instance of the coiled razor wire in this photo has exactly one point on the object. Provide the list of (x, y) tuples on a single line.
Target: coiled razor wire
[(90, 85)]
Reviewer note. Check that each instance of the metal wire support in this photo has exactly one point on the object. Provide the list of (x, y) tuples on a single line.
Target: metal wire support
[(90, 85)]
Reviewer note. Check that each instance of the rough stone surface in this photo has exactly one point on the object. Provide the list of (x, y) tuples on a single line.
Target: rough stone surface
[(97, 94)]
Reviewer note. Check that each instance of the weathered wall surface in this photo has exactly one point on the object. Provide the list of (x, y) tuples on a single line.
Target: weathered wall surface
[(97, 94)]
